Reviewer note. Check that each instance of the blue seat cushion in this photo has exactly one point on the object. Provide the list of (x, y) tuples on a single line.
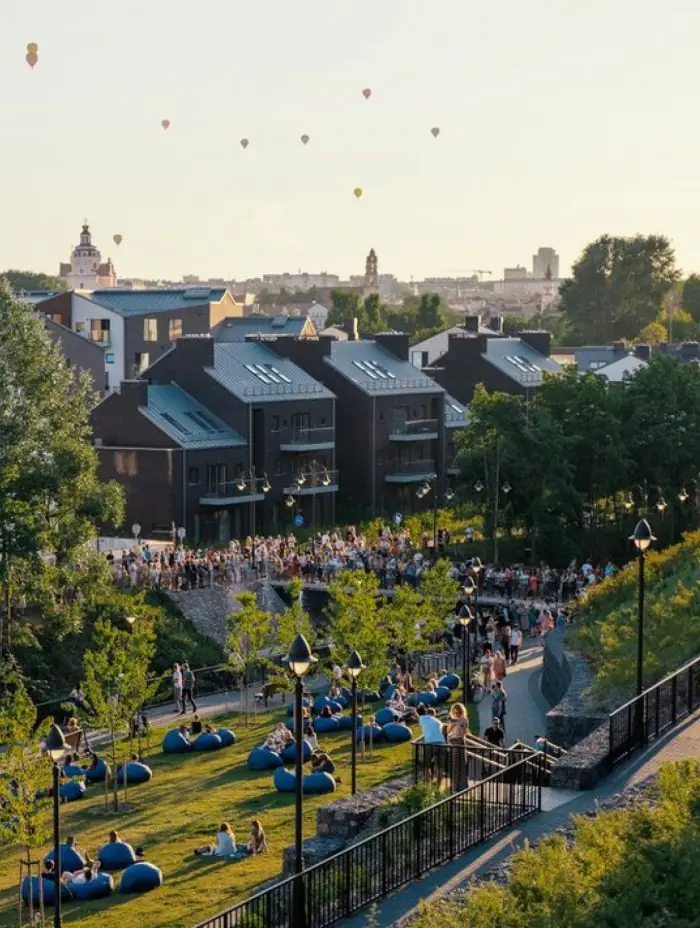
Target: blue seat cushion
[(428, 699), (345, 722), (116, 855), (443, 693), (376, 731), (306, 703), (140, 878), (72, 770), (384, 716), (290, 724), (450, 680), (284, 780), (389, 691), (370, 695), (321, 702), (99, 887), (264, 759), (228, 737), (30, 887), (289, 755), (207, 741), (324, 725), (136, 773), (175, 742), (336, 705), (70, 858), (317, 783), (99, 773), (395, 733), (72, 790)]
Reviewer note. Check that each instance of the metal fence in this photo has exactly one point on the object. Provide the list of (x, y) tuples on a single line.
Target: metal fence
[(648, 716), (453, 766), (374, 868), (426, 665)]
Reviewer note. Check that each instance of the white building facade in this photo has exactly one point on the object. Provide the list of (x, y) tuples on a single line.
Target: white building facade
[(86, 269)]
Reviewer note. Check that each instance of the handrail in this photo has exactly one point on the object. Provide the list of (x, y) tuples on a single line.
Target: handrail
[(650, 689)]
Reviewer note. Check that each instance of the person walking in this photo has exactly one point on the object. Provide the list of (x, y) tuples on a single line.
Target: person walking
[(499, 701), (177, 687), (188, 681), (516, 640)]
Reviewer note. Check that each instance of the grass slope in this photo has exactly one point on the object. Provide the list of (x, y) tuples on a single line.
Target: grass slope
[(180, 809), (606, 630)]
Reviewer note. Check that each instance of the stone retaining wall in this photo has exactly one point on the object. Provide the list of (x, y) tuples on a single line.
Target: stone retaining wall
[(586, 763), (566, 681)]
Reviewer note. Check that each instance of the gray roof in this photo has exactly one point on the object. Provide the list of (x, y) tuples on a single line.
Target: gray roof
[(254, 373), (519, 361), (456, 413), (622, 369), (186, 421), (376, 371), (140, 302), (438, 344), (35, 296), (237, 330)]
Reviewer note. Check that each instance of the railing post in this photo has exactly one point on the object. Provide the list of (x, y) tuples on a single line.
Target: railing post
[(481, 810), (691, 680), (451, 825), (674, 697), (611, 726), (418, 843), (657, 711), (348, 882)]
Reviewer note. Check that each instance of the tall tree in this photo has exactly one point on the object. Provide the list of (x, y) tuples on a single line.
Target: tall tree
[(691, 296), (357, 624), (347, 305), (31, 280), (248, 633), (50, 496), (617, 287)]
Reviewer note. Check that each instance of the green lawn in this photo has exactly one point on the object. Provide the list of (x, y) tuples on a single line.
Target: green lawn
[(180, 809)]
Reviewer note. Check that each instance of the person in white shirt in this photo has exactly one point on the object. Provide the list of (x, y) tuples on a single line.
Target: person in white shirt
[(516, 640), (177, 687), (431, 726), (225, 843)]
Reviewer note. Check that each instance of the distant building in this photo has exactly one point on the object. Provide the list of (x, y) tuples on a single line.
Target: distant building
[(545, 259), (300, 281), (318, 314), (623, 369), (371, 282), (86, 270), (515, 273), (238, 330), (426, 352)]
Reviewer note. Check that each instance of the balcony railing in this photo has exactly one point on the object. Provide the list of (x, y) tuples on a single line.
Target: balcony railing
[(414, 430), (300, 438), (227, 491), (314, 484), (409, 471)]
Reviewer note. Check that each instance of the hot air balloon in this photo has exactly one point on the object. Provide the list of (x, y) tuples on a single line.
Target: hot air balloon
[(117, 239), (245, 143), (305, 139), (367, 93), (31, 58), (435, 131), (32, 48), (358, 191), (165, 123)]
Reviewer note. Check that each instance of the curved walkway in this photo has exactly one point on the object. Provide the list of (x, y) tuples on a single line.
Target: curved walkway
[(526, 707)]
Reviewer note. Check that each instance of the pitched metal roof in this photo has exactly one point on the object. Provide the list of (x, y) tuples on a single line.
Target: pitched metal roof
[(622, 369), (519, 361), (237, 330), (377, 371), (140, 302), (186, 421), (254, 373), (456, 413)]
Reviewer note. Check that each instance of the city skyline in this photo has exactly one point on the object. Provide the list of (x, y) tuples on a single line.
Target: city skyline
[(537, 146)]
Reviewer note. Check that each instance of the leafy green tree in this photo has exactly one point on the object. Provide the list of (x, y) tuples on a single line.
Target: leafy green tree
[(514, 324), (691, 296), (401, 617), (617, 287), (356, 623), (248, 633), (439, 593), (347, 305), (31, 280), (374, 314), (50, 495), (115, 682), (653, 333)]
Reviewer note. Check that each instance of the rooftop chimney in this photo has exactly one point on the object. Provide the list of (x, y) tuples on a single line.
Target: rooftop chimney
[(351, 329), (496, 324), (643, 352), (471, 324)]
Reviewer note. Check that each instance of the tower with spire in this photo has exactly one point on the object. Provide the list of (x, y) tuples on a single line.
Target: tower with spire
[(371, 274), (86, 269)]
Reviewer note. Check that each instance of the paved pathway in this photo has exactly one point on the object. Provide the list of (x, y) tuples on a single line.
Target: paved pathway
[(527, 707), (681, 743)]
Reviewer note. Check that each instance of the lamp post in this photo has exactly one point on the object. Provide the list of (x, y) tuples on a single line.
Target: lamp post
[(317, 474), (300, 659), (465, 617), (642, 538), (354, 668), (504, 487), (430, 487), (250, 482), (56, 747)]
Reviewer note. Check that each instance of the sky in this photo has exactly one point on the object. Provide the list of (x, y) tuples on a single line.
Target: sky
[(560, 121)]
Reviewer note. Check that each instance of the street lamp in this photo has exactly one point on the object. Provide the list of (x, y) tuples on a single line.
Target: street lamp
[(354, 668), (56, 747), (299, 659), (315, 475), (464, 618), (429, 486), (251, 482), (642, 538)]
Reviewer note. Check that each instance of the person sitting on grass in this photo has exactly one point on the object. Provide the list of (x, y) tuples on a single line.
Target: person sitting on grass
[(258, 842), (195, 725), (225, 843), (326, 713), (323, 763), (48, 872), (311, 739)]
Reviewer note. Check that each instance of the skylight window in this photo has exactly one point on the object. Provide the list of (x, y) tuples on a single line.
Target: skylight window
[(282, 377), (366, 369), (383, 372), (266, 371), (173, 421), (258, 374), (456, 408), (203, 421)]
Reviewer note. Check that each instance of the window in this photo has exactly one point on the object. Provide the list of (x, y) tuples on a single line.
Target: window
[(203, 421), (109, 357), (174, 329), (216, 478), (193, 476), (150, 330), (275, 423), (80, 328), (99, 330), (141, 361)]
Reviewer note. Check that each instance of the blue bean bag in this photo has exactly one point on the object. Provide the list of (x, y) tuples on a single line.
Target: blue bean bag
[(342, 700), (443, 693), (290, 724), (428, 699), (389, 691), (289, 755), (72, 790), (70, 858), (324, 725), (264, 759), (116, 856), (384, 716), (136, 773), (30, 887), (317, 783), (306, 703), (72, 770), (207, 741), (140, 878), (345, 722), (451, 681), (347, 693), (395, 733), (228, 737), (337, 705), (99, 887), (99, 773), (370, 695), (284, 780), (377, 733), (321, 702), (175, 742)]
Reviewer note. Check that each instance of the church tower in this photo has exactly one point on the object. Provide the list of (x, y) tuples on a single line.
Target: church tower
[(371, 274), (87, 270)]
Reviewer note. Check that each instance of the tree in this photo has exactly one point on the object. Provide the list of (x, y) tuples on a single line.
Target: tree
[(31, 280), (654, 333), (115, 681), (691, 296), (356, 623), (401, 615), (439, 593), (347, 305), (248, 632), (514, 324), (50, 495), (617, 287)]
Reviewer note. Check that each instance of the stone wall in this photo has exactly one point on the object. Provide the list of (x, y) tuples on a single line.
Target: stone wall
[(586, 763), (566, 682)]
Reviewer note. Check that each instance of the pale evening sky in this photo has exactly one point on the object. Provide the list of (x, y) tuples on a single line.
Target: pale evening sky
[(560, 121)]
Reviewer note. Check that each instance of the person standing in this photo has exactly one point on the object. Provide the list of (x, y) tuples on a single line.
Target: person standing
[(188, 681), (177, 687), (516, 640), (499, 701)]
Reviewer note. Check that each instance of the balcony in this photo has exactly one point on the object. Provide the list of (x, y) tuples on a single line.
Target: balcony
[(414, 430), (409, 471), (227, 494), (313, 486), (307, 439)]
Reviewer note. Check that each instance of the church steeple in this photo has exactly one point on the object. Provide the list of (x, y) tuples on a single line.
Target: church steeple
[(371, 274), (85, 237)]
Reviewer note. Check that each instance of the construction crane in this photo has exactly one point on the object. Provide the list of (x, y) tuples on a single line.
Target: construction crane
[(480, 273), (477, 271)]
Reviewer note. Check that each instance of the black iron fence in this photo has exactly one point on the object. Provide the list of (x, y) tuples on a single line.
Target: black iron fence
[(344, 884), (648, 716), (454, 766), (427, 664)]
